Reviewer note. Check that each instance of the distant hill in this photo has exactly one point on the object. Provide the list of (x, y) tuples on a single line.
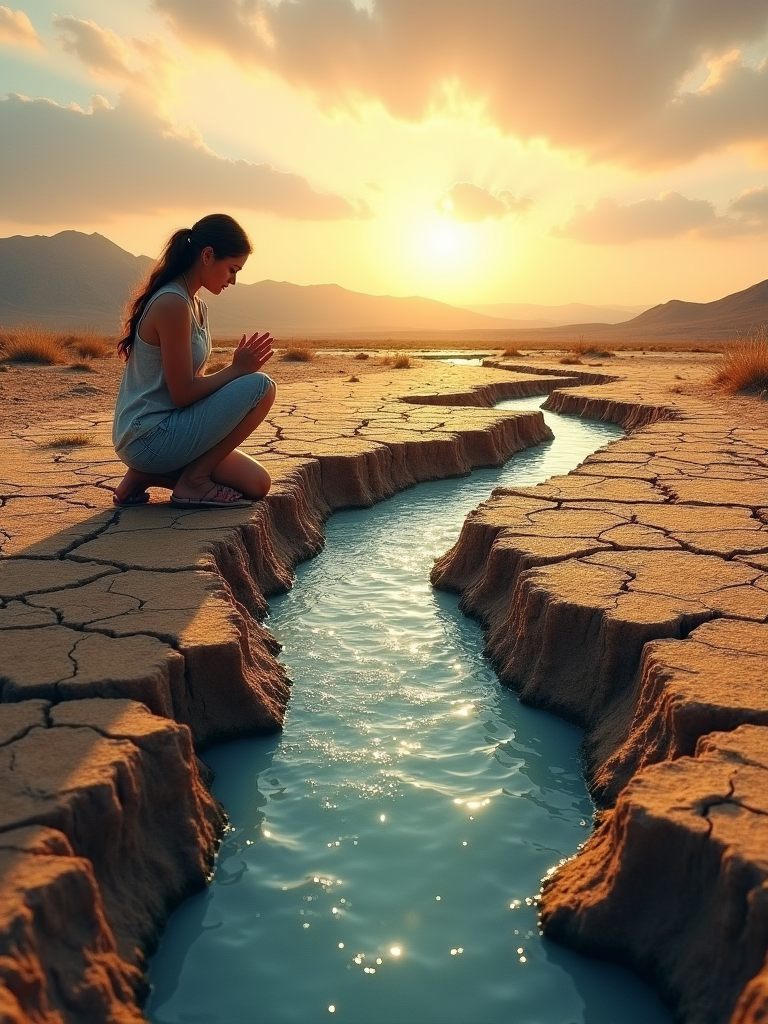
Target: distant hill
[(291, 310), (66, 281), (72, 280), (553, 316), (734, 315)]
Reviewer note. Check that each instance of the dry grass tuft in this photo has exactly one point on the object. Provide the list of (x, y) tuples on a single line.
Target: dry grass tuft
[(89, 346), (510, 353), (571, 361), (400, 361), (82, 364), (298, 354), (582, 347), (743, 365), (362, 355), (69, 441), (30, 344)]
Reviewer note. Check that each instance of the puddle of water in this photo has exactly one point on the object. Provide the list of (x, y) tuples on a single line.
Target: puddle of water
[(385, 847)]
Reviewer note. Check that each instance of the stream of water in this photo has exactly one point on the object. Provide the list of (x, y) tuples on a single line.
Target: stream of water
[(385, 849)]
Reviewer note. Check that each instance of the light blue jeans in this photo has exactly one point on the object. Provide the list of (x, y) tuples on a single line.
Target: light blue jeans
[(186, 433)]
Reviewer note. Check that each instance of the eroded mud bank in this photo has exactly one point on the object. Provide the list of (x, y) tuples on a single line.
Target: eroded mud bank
[(631, 597), (128, 635)]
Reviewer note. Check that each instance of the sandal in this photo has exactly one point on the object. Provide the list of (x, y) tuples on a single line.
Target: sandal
[(133, 499), (219, 496)]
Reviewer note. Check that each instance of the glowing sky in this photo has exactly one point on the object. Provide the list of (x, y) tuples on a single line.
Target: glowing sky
[(468, 150)]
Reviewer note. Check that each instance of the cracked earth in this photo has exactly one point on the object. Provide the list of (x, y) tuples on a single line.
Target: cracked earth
[(630, 597), (132, 637)]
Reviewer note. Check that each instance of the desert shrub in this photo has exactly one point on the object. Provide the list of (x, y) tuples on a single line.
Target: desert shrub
[(89, 346), (743, 365), (82, 364), (571, 361), (362, 355), (298, 354), (69, 441), (582, 347), (509, 353), (399, 361), (30, 344)]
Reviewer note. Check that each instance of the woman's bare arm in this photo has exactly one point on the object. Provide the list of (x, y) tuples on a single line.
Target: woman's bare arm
[(168, 324)]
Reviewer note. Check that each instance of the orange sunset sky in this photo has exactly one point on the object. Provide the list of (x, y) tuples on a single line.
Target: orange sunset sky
[(473, 151)]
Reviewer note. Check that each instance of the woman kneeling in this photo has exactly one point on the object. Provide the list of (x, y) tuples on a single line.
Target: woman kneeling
[(174, 427)]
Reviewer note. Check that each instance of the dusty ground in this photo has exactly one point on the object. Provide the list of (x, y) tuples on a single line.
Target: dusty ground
[(652, 552), (631, 597), (31, 395)]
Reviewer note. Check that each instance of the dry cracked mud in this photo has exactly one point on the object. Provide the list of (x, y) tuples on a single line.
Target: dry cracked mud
[(630, 596), (132, 637)]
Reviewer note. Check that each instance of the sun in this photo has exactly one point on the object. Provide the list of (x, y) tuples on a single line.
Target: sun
[(443, 241), (440, 257), (442, 247), (447, 256)]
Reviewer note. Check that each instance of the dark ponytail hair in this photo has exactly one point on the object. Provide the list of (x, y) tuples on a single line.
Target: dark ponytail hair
[(219, 231)]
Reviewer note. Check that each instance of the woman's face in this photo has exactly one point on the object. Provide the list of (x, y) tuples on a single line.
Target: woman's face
[(215, 274)]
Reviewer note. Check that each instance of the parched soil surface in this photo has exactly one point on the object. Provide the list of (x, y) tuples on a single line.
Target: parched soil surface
[(31, 394), (630, 596), (130, 634)]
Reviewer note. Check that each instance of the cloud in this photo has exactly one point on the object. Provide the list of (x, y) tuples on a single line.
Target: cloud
[(746, 215), (671, 215), (608, 223), (138, 63), (752, 205), (472, 203), (17, 29), (611, 79), (729, 108), (67, 164)]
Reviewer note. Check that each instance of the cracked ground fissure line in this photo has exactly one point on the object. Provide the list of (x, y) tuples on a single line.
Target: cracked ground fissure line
[(90, 628), (75, 585), (707, 805), (72, 655)]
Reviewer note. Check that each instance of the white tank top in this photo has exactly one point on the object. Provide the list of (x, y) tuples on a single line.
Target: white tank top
[(143, 400)]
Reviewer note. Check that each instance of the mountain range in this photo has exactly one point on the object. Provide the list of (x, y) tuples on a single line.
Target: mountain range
[(72, 281), (737, 314), (554, 316), (66, 281)]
